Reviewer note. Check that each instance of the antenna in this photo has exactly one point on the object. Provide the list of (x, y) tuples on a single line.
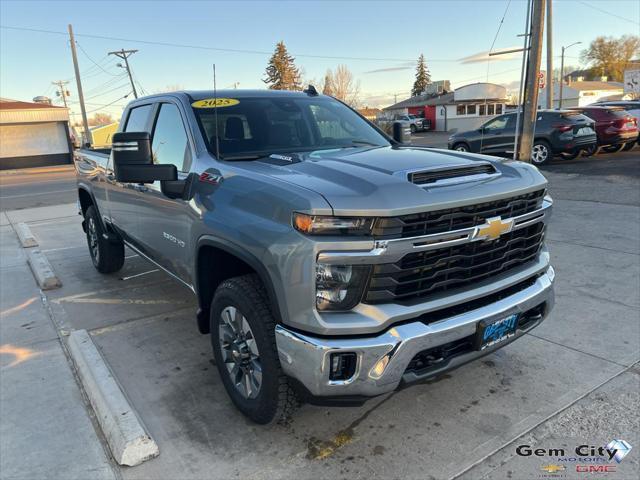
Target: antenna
[(215, 112)]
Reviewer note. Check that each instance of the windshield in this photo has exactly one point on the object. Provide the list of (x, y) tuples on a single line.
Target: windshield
[(260, 126)]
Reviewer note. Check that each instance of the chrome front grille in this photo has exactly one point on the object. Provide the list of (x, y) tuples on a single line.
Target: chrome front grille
[(423, 273)]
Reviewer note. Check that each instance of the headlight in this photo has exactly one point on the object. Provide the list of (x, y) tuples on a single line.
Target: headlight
[(325, 225), (339, 287)]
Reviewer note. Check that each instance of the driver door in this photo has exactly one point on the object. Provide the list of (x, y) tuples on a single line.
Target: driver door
[(498, 135)]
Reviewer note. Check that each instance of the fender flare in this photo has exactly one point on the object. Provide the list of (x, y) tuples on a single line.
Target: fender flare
[(251, 260)]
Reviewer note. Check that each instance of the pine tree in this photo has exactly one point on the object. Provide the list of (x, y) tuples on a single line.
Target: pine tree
[(423, 77), (282, 73), (328, 84)]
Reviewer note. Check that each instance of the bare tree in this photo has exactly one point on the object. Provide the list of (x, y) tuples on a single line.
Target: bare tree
[(100, 119), (344, 86), (611, 56)]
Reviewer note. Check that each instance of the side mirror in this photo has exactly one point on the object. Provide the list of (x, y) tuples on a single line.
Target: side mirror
[(133, 161)]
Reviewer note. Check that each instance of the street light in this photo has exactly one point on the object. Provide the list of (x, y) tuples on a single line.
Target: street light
[(562, 72)]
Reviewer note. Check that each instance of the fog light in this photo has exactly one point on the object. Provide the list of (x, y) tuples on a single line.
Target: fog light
[(343, 366)]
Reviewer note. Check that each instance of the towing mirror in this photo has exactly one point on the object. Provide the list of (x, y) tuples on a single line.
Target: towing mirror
[(133, 161)]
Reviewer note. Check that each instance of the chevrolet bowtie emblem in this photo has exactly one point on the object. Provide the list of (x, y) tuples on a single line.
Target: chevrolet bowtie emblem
[(553, 468), (494, 227)]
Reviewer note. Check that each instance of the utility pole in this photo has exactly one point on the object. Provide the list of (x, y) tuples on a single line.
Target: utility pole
[(530, 105), (549, 85), (125, 54), (62, 92), (85, 122)]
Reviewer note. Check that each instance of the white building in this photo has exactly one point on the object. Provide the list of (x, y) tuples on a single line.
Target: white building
[(581, 93), (466, 108), (33, 135)]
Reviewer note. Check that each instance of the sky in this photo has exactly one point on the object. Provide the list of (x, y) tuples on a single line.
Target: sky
[(379, 41)]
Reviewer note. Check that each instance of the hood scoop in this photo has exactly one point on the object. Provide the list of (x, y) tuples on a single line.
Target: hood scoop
[(450, 175)]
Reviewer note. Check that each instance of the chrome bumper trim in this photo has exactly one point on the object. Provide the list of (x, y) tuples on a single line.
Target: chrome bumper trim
[(391, 251), (383, 359)]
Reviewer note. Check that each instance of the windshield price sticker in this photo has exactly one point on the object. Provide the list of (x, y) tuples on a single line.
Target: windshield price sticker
[(215, 103)]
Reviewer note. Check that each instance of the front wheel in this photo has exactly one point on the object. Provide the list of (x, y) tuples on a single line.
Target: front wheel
[(244, 347), (541, 152), (106, 254), (591, 150), (461, 147), (413, 129)]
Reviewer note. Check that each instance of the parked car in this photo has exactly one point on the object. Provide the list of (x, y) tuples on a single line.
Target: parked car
[(632, 107), (424, 123), (414, 122), (328, 268), (558, 132)]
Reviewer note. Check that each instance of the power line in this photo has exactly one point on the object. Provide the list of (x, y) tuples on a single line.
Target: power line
[(228, 50), (96, 64), (620, 17), (124, 85), (109, 104)]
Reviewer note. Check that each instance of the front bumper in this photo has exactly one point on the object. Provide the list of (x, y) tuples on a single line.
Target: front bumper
[(382, 359)]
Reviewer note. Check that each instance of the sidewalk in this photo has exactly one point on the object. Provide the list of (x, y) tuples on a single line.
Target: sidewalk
[(46, 431)]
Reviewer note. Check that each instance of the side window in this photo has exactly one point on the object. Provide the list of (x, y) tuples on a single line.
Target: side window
[(498, 123), (170, 144), (137, 120)]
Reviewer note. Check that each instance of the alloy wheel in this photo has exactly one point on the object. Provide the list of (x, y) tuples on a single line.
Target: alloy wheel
[(240, 352), (92, 234), (539, 153)]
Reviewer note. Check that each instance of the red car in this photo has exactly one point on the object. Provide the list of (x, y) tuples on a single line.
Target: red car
[(615, 128)]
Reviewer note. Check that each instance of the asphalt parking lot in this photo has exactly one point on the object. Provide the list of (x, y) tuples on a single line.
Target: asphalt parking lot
[(574, 380)]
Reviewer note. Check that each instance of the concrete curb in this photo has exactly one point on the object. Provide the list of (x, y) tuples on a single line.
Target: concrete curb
[(42, 271), (127, 438), (27, 240)]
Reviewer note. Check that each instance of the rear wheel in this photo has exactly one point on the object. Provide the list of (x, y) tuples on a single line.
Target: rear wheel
[(413, 128), (541, 152), (106, 254), (628, 146), (244, 347), (613, 148)]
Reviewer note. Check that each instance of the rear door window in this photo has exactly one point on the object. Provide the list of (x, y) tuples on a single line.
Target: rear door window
[(138, 119)]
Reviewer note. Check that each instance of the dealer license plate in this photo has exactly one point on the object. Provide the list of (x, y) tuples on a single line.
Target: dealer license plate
[(490, 333)]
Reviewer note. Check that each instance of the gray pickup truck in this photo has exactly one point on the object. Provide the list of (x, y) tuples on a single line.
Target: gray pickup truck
[(331, 263)]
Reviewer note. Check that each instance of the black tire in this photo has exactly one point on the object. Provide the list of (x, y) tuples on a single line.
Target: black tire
[(461, 147), (591, 150), (413, 129), (613, 148), (628, 146), (106, 254), (541, 153), (570, 156), (275, 400)]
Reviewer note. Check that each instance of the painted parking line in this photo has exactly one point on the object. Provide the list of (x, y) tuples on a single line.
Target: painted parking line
[(139, 274)]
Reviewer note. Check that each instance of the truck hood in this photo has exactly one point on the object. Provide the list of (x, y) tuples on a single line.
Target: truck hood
[(375, 181)]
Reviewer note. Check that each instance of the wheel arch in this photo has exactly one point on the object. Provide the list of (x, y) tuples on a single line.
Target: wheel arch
[(217, 260)]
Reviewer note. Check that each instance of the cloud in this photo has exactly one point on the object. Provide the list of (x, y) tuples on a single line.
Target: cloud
[(484, 56), (388, 69)]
